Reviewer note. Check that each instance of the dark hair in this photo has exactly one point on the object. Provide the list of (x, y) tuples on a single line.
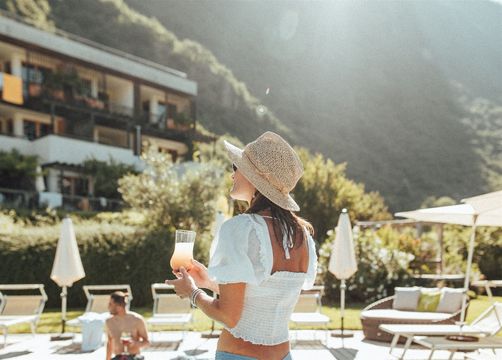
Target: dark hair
[(119, 298), (286, 220)]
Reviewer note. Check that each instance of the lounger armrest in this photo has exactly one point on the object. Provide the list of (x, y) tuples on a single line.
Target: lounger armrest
[(385, 303)]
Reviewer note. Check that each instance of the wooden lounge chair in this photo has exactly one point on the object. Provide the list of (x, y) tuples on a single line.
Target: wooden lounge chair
[(169, 309), (18, 309), (307, 310), (98, 297)]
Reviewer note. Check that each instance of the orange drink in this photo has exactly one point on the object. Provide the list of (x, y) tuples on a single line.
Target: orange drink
[(183, 250)]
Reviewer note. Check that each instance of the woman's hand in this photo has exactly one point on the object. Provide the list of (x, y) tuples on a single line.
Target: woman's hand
[(199, 273), (184, 284)]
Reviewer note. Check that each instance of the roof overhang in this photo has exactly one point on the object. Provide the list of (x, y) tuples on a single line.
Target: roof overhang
[(99, 55)]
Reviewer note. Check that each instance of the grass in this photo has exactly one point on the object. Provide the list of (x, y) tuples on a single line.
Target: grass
[(50, 321)]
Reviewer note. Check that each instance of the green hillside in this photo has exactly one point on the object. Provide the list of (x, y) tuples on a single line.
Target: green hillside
[(393, 88), (385, 85)]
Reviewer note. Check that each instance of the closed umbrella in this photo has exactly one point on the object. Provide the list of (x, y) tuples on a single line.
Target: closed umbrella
[(482, 210), (67, 267), (342, 262)]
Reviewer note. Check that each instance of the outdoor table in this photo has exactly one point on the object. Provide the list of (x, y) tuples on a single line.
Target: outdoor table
[(441, 343), (488, 284), (409, 331)]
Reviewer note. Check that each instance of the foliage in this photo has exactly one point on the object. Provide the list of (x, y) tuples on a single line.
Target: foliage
[(484, 118), (182, 118), (488, 253), (17, 171), (114, 248), (105, 176), (382, 265), (173, 195), (35, 12), (324, 190), (393, 115), (433, 201)]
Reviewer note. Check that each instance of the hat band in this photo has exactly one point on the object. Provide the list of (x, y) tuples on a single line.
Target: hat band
[(272, 180)]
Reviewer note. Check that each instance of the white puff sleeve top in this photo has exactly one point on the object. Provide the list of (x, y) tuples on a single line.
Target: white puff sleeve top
[(243, 253)]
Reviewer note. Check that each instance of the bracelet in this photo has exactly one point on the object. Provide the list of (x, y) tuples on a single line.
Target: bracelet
[(193, 296)]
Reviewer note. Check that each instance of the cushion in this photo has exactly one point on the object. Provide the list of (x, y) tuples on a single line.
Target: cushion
[(429, 300), (406, 298), (398, 315), (451, 300)]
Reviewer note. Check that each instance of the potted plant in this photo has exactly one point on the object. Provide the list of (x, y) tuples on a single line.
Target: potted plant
[(183, 120), (54, 83), (34, 89)]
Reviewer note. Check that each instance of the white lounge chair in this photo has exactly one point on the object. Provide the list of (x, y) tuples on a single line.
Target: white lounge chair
[(168, 308), (98, 297), (307, 310), (486, 325), (18, 309), (442, 343)]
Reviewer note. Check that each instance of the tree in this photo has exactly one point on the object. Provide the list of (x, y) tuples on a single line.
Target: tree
[(173, 195), (324, 190), (106, 176), (17, 171)]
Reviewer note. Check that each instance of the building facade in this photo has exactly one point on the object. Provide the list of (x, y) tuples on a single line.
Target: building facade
[(66, 99)]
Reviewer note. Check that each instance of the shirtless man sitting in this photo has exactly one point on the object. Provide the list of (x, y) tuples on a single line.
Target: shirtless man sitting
[(124, 322)]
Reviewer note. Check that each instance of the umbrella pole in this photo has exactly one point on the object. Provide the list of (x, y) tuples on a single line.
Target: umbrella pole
[(468, 269), (62, 336), (342, 333), (64, 293), (342, 302)]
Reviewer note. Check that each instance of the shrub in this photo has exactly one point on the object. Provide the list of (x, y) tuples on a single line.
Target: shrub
[(111, 254), (106, 175), (115, 249), (382, 265), (173, 195), (324, 190), (17, 171)]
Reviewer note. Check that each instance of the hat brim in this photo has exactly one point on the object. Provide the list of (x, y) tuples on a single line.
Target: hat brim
[(261, 184)]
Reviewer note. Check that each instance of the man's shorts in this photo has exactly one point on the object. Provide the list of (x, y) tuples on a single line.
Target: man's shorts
[(128, 357)]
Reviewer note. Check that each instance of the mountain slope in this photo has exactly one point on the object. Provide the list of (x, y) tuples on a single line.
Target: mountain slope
[(372, 83)]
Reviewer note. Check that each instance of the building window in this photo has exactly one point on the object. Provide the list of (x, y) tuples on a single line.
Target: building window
[(45, 129), (71, 185), (30, 129), (33, 129)]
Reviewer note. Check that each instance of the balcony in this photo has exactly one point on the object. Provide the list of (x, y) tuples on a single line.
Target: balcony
[(83, 112), (24, 199), (63, 149)]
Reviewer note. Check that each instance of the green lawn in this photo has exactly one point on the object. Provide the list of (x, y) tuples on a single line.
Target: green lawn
[(50, 321)]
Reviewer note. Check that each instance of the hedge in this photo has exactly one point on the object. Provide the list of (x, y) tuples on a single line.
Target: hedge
[(111, 254)]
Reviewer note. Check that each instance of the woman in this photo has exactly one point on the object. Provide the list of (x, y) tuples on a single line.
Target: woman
[(262, 259)]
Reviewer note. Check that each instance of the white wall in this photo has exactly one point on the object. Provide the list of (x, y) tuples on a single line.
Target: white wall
[(53, 148)]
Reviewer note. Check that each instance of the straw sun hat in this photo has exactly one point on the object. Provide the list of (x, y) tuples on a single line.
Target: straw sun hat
[(271, 165)]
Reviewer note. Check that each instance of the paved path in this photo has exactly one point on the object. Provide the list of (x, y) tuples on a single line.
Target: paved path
[(168, 346)]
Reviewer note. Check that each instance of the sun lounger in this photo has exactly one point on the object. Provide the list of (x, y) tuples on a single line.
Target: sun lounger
[(98, 297), (18, 309), (487, 324), (442, 343), (307, 310), (168, 308)]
